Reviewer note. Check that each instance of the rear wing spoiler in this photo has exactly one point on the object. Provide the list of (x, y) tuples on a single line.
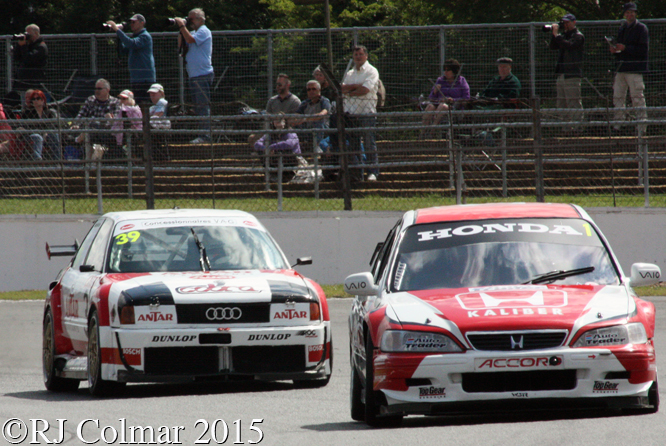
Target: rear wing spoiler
[(61, 250)]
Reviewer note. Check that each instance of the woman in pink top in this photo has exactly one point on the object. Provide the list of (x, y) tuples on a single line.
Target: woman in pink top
[(448, 89)]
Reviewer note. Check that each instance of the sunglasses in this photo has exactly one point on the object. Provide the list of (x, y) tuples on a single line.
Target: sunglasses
[(100, 88)]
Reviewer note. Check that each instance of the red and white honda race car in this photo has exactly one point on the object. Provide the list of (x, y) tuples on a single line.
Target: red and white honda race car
[(169, 295), (499, 306)]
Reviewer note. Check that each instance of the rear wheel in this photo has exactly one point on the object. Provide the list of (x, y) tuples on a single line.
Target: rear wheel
[(372, 417), (97, 385), (53, 382)]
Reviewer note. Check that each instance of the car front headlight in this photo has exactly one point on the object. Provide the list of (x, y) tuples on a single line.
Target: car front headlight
[(616, 335), (417, 341)]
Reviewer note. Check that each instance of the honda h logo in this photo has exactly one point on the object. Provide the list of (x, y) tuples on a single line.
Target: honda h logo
[(516, 344)]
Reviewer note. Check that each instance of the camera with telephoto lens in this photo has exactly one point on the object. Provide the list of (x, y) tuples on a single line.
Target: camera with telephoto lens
[(120, 26), (21, 36), (172, 22), (549, 28)]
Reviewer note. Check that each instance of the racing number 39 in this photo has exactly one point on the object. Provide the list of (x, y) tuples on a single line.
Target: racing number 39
[(133, 236)]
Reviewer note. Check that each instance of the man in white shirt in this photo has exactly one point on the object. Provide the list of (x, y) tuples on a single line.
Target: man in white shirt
[(359, 87)]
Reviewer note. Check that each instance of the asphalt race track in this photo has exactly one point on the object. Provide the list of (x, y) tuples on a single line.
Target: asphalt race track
[(185, 413)]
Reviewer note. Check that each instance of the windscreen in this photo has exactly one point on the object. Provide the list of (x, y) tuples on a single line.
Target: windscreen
[(138, 248), (499, 252)]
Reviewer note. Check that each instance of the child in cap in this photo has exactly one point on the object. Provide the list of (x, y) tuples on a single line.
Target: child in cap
[(128, 109)]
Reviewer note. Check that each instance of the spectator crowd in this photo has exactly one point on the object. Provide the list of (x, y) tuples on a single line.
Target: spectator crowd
[(360, 93)]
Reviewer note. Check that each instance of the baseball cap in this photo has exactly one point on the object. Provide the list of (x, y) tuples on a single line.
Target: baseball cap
[(126, 94), (138, 17), (569, 18), (506, 60), (156, 88), (631, 6)]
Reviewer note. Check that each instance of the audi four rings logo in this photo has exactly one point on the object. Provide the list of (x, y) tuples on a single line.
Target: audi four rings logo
[(223, 314)]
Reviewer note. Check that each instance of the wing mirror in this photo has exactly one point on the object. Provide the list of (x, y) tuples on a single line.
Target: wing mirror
[(361, 284), (643, 274), (303, 261)]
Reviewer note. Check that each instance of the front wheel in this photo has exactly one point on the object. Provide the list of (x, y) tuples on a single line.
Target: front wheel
[(53, 382), (97, 385), (372, 417), (355, 392)]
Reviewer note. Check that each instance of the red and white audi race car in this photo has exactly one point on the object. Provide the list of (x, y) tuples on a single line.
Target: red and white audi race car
[(499, 306), (170, 295)]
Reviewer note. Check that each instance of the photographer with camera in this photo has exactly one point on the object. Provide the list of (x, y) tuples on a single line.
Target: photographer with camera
[(141, 62), (199, 65), (631, 55), (30, 54), (570, 44)]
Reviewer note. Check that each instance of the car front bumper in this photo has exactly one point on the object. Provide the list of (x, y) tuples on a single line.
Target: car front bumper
[(419, 383), (155, 355)]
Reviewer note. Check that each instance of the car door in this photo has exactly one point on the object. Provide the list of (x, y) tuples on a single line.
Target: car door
[(77, 283)]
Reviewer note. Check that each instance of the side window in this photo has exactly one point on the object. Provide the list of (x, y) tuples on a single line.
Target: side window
[(382, 256), (82, 252), (99, 245)]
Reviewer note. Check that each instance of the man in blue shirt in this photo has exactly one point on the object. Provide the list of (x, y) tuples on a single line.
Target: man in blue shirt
[(199, 66), (141, 62)]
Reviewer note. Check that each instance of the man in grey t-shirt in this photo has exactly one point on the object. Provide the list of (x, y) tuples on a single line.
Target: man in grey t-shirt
[(285, 101)]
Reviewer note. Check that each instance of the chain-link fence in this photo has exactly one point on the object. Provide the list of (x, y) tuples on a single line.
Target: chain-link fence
[(528, 152)]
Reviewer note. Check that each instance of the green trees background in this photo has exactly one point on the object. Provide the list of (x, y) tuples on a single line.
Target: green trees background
[(84, 16)]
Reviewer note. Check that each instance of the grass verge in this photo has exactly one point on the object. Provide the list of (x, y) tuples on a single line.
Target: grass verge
[(293, 204), (330, 290)]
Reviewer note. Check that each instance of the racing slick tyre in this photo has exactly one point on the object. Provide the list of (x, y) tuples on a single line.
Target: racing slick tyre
[(53, 382), (372, 417), (355, 392), (97, 385)]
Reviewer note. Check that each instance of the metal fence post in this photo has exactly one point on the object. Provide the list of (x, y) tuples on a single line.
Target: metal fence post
[(8, 52), (148, 158), (532, 56), (100, 206), (269, 64), (181, 79), (93, 55), (538, 150), (279, 181), (442, 49)]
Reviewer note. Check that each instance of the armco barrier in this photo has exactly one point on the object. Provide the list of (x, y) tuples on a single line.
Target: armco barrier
[(340, 243)]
